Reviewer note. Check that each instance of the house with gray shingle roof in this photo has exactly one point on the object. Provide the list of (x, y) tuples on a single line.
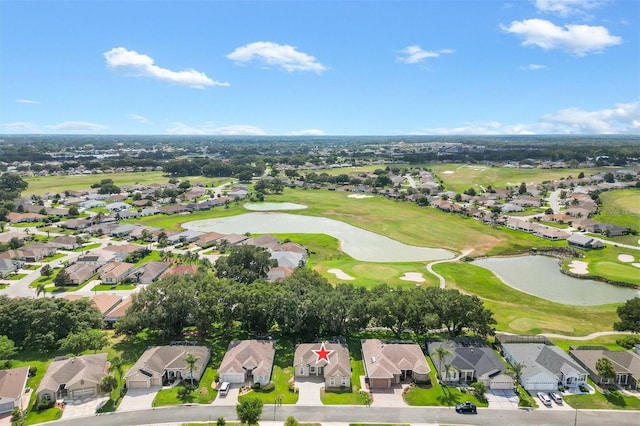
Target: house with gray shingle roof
[(336, 369), (389, 363), (165, 364), (12, 386), (626, 364), (471, 362), (248, 361)]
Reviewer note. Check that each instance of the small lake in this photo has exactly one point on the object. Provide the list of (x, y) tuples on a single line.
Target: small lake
[(357, 243), (265, 207), (541, 276)]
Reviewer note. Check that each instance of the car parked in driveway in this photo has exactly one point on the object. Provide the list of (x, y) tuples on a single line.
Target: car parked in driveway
[(224, 388), (556, 397), (467, 407), (544, 398)]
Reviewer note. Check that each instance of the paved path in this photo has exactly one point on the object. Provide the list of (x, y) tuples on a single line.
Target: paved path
[(455, 259)]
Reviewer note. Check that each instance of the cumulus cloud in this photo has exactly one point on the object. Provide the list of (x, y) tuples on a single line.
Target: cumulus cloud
[(414, 54), (139, 118), (567, 7), (575, 39), (20, 126), (276, 55), (141, 65), (26, 101), (210, 129), (75, 126), (307, 132), (623, 118)]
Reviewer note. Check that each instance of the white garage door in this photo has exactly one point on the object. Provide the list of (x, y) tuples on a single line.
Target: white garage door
[(83, 393), (6, 407), (137, 384), (535, 387), (232, 377)]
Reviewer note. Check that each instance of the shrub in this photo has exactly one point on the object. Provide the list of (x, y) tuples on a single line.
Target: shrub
[(5, 364), (268, 387), (44, 405), (33, 371), (628, 342), (256, 386)]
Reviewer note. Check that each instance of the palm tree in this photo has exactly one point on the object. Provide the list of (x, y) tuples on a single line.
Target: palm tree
[(448, 368), (191, 364), (117, 365), (515, 370), (441, 353), (41, 289)]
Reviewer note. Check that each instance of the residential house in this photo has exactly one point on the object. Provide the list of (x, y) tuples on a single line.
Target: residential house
[(327, 360), (234, 239), (115, 272), (607, 229), (117, 206), (149, 272), (471, 362), (173, 209), (248, 361), (160, 365), (188, 236), (80, 272), (35, 252), (180, 270), (279, 273), (550, 233), (97, 257), (584, 241), (105, 303), (122, 251), (74, 378), (77, 223), (14, 217), (65, 242), (626, 364), (288, 259), (119, 311), (91, 204), (7, 267), (546, 366), (387, 364), (264, 241), (6, 237), (123, 230), (209, 239), (12, 387)]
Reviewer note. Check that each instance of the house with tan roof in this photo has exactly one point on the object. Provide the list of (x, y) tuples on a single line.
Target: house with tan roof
[(389, 363), (149, 272), (65, 242), (160, 365), (74, 378), (626, 364), (248, 361), (335, 368), (119, 311), (209, 239), (12, 386), (115, 272), (80, 272)]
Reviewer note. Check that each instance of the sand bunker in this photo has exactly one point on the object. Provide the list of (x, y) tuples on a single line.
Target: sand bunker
[(359, 196), (626, 258), (448, 172), (578, 267), (637, 265), (340, 274), (416, 277)]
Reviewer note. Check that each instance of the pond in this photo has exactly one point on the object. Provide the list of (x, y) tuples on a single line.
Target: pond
[(541, 276), (264, 207), (357, 243)]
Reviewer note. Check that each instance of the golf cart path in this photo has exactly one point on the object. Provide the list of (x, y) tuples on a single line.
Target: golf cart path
[(587, 337), (455, 259)]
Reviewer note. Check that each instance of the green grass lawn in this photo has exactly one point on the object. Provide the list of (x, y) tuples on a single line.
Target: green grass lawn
[(203, 394), (54, 257), (16, 277), (621, 207), (30, 267), (34, 417), (608, 341), (173, 222), (438, 395), (110, 287), (87, 247), (521, 313), (612, 400), (605, 263)]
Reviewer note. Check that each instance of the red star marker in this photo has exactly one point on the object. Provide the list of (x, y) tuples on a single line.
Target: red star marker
[(323, 353)]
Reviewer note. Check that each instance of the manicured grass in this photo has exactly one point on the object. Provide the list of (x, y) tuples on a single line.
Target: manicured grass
[(521, 313), (31, 267), (87, 247), (604, 263), (54, 257), (16, 277), (173, 222), (153, 256), (621, 207), (34, 417), (612, 400), (608, 341), (204, 394), (436, 394), (110, 287)]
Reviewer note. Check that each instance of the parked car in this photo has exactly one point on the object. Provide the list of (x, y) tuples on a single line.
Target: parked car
[(466, 407), (557, 398), (224, 388), (544, 398)]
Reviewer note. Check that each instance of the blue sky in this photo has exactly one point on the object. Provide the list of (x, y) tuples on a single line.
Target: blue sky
[(320, 67)]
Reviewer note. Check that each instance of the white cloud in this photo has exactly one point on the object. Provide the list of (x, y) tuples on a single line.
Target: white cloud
[(414, 54), (142, 65), (276, 55), (534, 67), (209, 129), (75, 126), (139, 118), (567, 7), (21, 126), (624, 118), (575, 39), (27, 101), (307, 132)]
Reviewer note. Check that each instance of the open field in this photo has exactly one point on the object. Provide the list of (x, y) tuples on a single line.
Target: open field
[(622, 208), (474, 175), (521, 313), (44, 184)]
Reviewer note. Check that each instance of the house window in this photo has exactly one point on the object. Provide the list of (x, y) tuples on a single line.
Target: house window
[(312, 370), (344, 381), (301, 370), (332, 381)]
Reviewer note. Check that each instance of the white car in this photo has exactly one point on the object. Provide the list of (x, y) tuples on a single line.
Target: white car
[(224, 388), (544, 398), (557, 398)]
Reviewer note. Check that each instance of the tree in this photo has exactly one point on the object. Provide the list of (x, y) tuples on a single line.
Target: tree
[(629, 315), (41, 289), (441, 353), (73, 211), (609, 178), (76, 343), (522, 189), (605, 368), (249, 410), (117, 365), (62, 279), (191, 365), (11, 186), (244, 264), (108, 383), (291, 421), (479, 389), (515, 370), (7, 348), (46, 271)]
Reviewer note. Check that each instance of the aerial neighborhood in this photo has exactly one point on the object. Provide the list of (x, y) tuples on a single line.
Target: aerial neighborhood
[(376, 275)]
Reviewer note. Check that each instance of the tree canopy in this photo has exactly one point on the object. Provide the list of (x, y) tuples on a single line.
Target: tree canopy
[(629, 315), (11, 186)]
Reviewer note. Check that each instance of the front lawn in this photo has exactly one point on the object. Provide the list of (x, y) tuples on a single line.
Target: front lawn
[(48, 415), (203, 394), (109, 287), (612, 400), (16, 277), (87, 247)]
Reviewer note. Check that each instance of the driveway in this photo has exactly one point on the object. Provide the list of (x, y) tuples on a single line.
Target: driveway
[(138, 399), (231, 398), (388, 397), (82, 407), (502, 399), (309, 391)]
